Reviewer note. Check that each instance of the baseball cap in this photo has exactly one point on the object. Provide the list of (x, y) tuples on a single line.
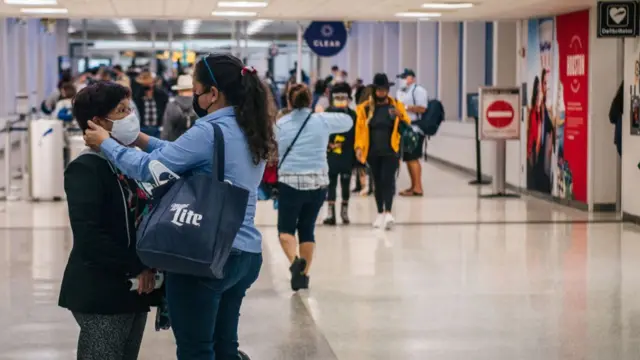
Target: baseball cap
[(405, 73)]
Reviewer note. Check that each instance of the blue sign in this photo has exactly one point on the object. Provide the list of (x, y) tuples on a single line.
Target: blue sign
[(326, 38)]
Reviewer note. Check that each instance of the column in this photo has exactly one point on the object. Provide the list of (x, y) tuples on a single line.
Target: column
[(448, 68), (352, 52), (473, 60), (408, 45), (427, 69), (364, 51), (377, 47), (391, 49), (153, 66)]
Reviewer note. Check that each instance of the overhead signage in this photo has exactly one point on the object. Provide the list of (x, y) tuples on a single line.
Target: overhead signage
[(326, 38), (618, 19), (499, 110)]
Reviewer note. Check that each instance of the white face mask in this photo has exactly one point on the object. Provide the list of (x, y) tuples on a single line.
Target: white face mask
[(127, 129), (403, 83)]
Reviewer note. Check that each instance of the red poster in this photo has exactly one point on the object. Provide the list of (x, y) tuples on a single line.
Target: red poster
[(572, 33)]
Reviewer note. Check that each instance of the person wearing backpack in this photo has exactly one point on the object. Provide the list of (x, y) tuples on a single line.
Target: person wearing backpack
[(415, 99), (179, 115)]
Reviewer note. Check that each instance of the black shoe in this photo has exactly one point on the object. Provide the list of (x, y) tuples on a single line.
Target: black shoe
[(243, 356), (304, 282), (297, 274), (344, 213), (331, 217)]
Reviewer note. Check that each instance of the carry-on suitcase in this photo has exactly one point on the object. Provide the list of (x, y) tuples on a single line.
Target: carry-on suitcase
[(46, 159)]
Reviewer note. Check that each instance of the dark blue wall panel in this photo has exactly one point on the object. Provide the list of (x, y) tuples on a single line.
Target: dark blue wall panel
[(488, 54)]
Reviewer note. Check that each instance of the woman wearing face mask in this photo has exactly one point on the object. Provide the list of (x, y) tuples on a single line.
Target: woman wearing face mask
[(378, 142), (104, 208), (204, 311)]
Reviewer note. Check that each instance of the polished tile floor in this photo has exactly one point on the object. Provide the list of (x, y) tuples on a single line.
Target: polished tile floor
[(458, 278)]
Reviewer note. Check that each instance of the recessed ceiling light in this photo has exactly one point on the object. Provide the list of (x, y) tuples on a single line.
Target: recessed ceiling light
[(257, 25), (190, 27), (44, 11), (31, 2), (125, 26), (447, 6), (234, 13), (418, 14), (243, 4)]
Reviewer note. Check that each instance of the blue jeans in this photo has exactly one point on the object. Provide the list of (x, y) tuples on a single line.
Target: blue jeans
[(205, 312)]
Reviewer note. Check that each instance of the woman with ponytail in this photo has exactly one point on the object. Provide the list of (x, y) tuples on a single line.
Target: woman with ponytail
[(204, 311)]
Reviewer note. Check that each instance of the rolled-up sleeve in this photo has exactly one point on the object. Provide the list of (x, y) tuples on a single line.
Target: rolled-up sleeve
[(193, 149)]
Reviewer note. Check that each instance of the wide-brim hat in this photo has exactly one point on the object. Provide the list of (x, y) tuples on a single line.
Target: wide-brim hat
[(146, 78), (381, 81), (185, 82)]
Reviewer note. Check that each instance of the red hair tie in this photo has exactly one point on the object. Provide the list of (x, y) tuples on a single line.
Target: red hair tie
[(248, 70)]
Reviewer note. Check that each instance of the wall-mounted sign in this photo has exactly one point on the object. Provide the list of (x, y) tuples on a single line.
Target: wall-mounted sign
[(499, 110), (618, 19), (326, 38)]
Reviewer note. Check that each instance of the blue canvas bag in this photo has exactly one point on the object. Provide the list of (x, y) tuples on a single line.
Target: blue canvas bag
[(193, 221)]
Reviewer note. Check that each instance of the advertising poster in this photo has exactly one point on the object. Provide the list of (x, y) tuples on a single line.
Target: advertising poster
[(557, 86)]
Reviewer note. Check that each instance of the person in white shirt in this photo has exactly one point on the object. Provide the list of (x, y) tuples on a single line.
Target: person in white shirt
[(415, 99)]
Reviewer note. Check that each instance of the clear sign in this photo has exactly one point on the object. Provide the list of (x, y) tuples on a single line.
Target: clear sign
[(617, 19), (499, 112), (326, 38)]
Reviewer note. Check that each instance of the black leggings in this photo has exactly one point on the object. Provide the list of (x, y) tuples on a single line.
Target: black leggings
[(383, 172), (345, 185)]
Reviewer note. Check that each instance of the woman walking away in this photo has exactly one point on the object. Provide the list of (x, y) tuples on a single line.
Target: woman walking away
[(378, 142), (205, 311), (303, 177), (340, 156), (104, 208)]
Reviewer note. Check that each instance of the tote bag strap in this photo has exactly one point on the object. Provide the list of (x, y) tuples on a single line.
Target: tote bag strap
[(217, 164), (286, 152)]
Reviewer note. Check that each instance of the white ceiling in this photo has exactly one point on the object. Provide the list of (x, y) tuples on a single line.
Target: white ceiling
[(305, 9)]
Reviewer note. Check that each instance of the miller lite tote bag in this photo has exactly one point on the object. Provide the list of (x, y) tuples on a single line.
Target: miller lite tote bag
[(193, 221)]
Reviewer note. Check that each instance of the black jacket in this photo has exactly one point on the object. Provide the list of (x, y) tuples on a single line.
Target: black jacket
[(103, 257), (161, 98), (342, 158)]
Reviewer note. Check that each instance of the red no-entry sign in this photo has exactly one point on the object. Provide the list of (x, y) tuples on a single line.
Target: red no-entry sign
[(499, 113)]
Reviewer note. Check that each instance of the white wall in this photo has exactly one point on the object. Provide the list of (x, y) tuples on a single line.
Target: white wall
[(603, 82), (391, 48), (630, 144)]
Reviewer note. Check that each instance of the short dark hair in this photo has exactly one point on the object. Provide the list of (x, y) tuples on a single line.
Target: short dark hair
[(69, 90), (117, 67), (299, 96), (97, 100), (335, 68)]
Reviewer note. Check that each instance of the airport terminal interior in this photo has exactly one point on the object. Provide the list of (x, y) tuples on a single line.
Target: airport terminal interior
[(515, 227)]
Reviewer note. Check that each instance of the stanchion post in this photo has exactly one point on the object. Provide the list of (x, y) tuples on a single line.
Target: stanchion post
[(7, 160), (479, 179)]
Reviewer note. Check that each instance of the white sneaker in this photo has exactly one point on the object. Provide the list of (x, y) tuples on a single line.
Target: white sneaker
[(379, 221), (389, 221)]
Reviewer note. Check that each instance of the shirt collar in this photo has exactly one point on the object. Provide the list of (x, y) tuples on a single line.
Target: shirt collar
[(220, 114)]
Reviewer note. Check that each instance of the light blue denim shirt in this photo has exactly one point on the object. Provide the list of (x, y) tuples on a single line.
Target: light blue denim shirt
[(309, 153), (193, 152)]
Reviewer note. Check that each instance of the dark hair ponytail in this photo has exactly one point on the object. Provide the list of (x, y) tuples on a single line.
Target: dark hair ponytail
[(299, 96), (250, 97)]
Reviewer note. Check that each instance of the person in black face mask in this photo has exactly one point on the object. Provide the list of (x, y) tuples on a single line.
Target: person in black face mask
[(340, 155), (377, 144), (151, 103)]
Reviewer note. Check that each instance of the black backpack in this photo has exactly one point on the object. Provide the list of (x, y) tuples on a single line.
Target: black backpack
[(431, 119)]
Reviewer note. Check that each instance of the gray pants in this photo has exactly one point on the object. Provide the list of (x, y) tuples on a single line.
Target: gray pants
[(110, 337)]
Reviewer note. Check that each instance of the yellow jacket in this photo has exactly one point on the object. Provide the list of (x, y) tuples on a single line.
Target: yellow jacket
[(364, 112)]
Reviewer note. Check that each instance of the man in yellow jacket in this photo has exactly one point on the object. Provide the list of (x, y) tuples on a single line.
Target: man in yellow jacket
[(377, 143)]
